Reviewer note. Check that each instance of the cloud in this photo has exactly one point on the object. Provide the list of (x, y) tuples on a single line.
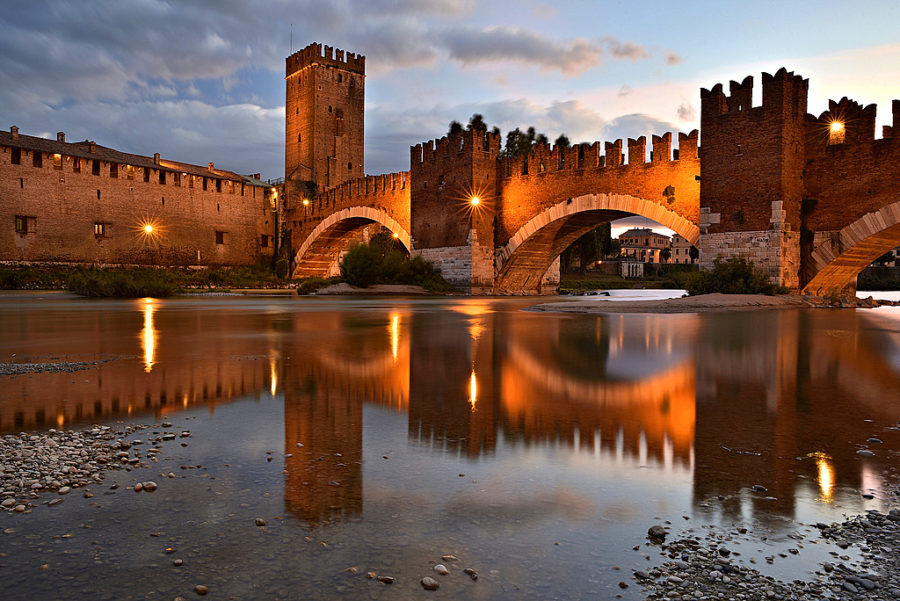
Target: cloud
[(625, 90), (672, 58), (473, 46), (625, 50), (686, 112)]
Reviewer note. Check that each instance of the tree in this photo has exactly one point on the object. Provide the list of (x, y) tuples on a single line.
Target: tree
[(477, 123), (694, 253), (562, 141), (665, 254), (455, 128)]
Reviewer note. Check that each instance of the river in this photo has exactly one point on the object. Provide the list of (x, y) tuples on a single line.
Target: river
[(381, 434)]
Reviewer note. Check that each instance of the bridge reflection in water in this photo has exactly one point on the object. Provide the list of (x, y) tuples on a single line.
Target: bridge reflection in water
[(725, 401)]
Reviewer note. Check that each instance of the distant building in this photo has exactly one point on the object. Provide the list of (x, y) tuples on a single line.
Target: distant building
[(681, 251), (643, 244)]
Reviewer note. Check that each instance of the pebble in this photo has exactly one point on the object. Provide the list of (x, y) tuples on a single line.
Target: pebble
[(441, 569), (201, 589), (430, 584), (471, 573), (260, 522), (385, 579), (150, 486), (656, 532), (865, 453)]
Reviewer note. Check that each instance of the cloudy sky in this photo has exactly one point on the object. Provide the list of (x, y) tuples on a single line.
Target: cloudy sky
[(202, 80)]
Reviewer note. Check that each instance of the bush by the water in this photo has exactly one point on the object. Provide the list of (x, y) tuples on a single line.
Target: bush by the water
[(735, 275), (137, 283), (382, 262)]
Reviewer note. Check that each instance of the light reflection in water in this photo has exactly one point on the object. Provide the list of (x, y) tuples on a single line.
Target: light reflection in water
[(148, 335), (825, 475), (473, 390), (273, 373), (395, 335)]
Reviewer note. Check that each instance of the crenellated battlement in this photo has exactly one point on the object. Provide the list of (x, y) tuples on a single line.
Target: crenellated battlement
[(782, 91), (454, 145), (546, 158), (368, 186), (317, 54)]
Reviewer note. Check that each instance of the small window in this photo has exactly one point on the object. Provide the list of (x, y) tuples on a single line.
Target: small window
[(100, 229), (22, 183), (114, 170), (299, 138), (349, 166), (177, 177), (340, 78), (76, 165), (329, 109), (129, 171), (190, 180), (264, 242), (95, 167), (146, 174), (37, 159), (163, 201), (57, 162), (217, 207), (16, 156), (220, 237), (98, 194), (21, 224), (218, 185), (162, 177), (204, 184)]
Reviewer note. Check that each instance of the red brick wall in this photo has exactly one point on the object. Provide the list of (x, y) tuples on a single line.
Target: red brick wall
[(65, 206)]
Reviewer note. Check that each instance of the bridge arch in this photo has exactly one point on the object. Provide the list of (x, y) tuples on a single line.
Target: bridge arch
[(521, 263), (323, 246), (838, 260)]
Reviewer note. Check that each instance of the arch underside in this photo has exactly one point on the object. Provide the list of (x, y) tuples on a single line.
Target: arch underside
[(323, 247), (840, 272), (522, 263)]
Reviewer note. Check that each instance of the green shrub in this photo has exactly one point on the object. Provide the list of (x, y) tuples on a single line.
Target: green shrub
[(382, 262), (282, 266), (310, 285), (97, 283), (735, 275)]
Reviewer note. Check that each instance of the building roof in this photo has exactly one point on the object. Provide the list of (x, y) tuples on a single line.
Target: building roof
[(641, 231), (83, 150)]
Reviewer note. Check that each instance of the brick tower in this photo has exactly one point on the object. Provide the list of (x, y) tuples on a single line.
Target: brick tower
[(325, 94), (751, 168)]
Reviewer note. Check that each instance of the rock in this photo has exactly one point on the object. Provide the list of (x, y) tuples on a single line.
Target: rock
[(850, 588), (759, 488), (201, 589), (177, 562), (874, 440), (150, 486), (441, 569), (623, 585), (471, 573), (430, 584), (8, 502), (386, 579), (20, 508), (64, 490), (260, 522), (370, 575), (865, 453), (656, 532), (449, 558), (138, 487)]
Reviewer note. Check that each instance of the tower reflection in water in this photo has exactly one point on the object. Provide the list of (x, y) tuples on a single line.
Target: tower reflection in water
[(730, 401)]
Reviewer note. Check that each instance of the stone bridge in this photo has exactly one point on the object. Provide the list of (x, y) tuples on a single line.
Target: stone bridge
[(812, 200)]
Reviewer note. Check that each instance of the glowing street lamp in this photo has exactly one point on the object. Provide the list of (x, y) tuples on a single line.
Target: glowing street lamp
[(837, 127), (475, 201), (148, 229), (305, 202)]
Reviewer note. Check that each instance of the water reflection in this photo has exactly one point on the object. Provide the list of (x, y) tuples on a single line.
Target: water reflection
[(726, 401), (148, 334)]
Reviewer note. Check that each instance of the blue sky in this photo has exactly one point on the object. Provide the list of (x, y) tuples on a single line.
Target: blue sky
[(202, 80)]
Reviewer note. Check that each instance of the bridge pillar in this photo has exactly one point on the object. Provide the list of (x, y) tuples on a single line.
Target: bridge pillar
[(751, 170)]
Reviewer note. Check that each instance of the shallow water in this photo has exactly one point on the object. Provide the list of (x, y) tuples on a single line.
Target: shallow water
[(537, 448)]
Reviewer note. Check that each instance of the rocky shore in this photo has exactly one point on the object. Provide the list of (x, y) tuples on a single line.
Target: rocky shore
[(705, 567), (59, 462), (16, 369)]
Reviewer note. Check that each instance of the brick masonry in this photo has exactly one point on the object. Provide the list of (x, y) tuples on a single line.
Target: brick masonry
[(84, 203)]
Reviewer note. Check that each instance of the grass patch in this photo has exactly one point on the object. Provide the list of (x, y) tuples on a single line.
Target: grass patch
[(97, 283)]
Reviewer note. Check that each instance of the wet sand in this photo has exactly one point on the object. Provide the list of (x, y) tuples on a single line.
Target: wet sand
[(690, 304)]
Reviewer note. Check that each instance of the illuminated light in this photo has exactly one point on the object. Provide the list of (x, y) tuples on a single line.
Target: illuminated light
[(825, 476), (475, 201), (148, 229), (148, 336), (836, 126), (396, 235), (273, 375), (473, 390), (60, 420), (305, 202), (395, 335)]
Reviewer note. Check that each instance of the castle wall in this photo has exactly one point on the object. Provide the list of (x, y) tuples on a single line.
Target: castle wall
[(79, 217)]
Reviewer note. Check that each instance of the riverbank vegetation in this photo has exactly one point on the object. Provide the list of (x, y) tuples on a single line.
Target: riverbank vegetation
[(656, 276), (136, 283), (384, 261), (735, 275)]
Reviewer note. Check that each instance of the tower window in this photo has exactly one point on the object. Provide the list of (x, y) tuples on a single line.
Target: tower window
[(349, 166), (99, 229), (162, 177), (76, 165), (329, 108), (220, 237), (16, 156), (340, 78), (299, 138), (95, 167), (37, 159), (21, 224)]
